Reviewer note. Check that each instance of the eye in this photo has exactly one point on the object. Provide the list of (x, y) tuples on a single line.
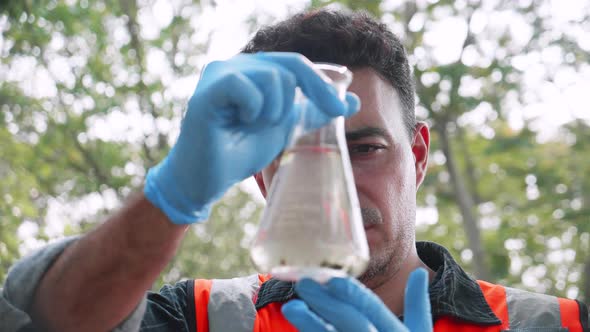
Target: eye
[(364, 148)]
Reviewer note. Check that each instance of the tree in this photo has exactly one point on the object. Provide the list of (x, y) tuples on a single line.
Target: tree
[(104, 106), (478, 183), (92, 94)]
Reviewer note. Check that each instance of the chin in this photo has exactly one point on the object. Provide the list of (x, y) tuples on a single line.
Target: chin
[(387, 258)]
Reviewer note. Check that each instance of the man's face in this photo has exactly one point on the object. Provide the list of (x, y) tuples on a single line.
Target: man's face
[(387, 165)]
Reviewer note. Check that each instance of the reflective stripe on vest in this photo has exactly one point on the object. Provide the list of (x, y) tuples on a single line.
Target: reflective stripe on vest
[(229, 305), (526, 310), (520, 311)]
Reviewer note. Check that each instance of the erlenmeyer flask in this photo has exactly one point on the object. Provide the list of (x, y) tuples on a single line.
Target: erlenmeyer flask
[(312, 225)]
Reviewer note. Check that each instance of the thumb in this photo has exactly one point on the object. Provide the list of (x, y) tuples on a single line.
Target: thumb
[(354, 104), (417, 315)]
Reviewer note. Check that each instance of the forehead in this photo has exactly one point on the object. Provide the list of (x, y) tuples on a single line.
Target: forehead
[(380, 104)]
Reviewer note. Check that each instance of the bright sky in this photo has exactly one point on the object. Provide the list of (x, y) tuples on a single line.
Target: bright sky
[(548, 103)]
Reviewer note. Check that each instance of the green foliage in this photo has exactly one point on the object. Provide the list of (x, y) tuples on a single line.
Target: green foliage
[(219, 247), (530, 199), (371, 6)]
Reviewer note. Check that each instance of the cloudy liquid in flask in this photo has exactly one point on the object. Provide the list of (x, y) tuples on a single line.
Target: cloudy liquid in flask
[(307, 228), (312, 225)]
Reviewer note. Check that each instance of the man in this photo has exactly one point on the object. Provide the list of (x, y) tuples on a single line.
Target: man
[(97, 282)]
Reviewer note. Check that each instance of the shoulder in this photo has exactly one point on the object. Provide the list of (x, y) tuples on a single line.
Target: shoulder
[(226, 287), (526, 309), (170, 309), (226, 304), (172, 295)]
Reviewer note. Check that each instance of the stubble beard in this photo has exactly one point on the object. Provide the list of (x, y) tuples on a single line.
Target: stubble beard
[(386, 262)]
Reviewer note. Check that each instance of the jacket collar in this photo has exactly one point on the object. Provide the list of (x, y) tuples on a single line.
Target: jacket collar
[(452, 292)]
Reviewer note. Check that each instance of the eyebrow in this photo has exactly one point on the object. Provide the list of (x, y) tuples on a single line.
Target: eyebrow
[(367, 132)]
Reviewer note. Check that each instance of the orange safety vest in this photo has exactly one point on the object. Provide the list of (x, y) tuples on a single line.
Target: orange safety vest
[(228, 305)]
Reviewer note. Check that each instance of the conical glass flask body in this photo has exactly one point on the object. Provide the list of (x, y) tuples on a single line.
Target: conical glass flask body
[(312, 226)]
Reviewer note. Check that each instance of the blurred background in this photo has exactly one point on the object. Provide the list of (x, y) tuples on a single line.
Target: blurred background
[(92, 92)]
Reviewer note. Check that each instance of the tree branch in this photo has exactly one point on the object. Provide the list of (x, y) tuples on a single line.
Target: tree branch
[(465, 202), (130, 9), (102, 178)]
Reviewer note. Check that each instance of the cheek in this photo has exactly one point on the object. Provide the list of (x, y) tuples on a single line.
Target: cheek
[(403, 200), (376, 187), (388, 185), (398, 198), (403, 185)]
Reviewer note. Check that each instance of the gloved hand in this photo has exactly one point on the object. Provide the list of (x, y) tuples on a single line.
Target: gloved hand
[(344, 304), (238, 120)]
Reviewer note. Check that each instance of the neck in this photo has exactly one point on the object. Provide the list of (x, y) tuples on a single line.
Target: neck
[(390, 286)]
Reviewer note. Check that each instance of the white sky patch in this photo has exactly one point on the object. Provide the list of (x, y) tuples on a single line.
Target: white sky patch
[(183, 88), (567, 11), (60, 68), (131, 125), (481, 114), (22, 68), (426, 216), (479, 21), (162, 13), (61, 212), (149, 29), (158, 67), (120, 35), (226, 24), (57, 41), (251, 187), (229, 29), (520, 31), (28, 230), (550, 104), (390, 5), (446, 38), (40, 85)]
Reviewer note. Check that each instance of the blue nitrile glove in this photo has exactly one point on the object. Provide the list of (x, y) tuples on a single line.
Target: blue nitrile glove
[(344, 304), (238, 120)]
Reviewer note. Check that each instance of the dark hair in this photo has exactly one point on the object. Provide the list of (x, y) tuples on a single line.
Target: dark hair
[(352, 39)]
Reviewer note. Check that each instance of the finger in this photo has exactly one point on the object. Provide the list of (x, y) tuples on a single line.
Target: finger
[(288, 84), (417, 315), (278, 86), (312, 117), (341, 314), (234, 90), (298, 314), (366, 302), (312, 84), (286, 124), (354, 104)]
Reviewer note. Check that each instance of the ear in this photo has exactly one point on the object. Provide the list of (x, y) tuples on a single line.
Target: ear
[(260, 182), (420, 148)]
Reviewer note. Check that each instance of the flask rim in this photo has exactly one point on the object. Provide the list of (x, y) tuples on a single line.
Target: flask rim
[(342, 73)]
